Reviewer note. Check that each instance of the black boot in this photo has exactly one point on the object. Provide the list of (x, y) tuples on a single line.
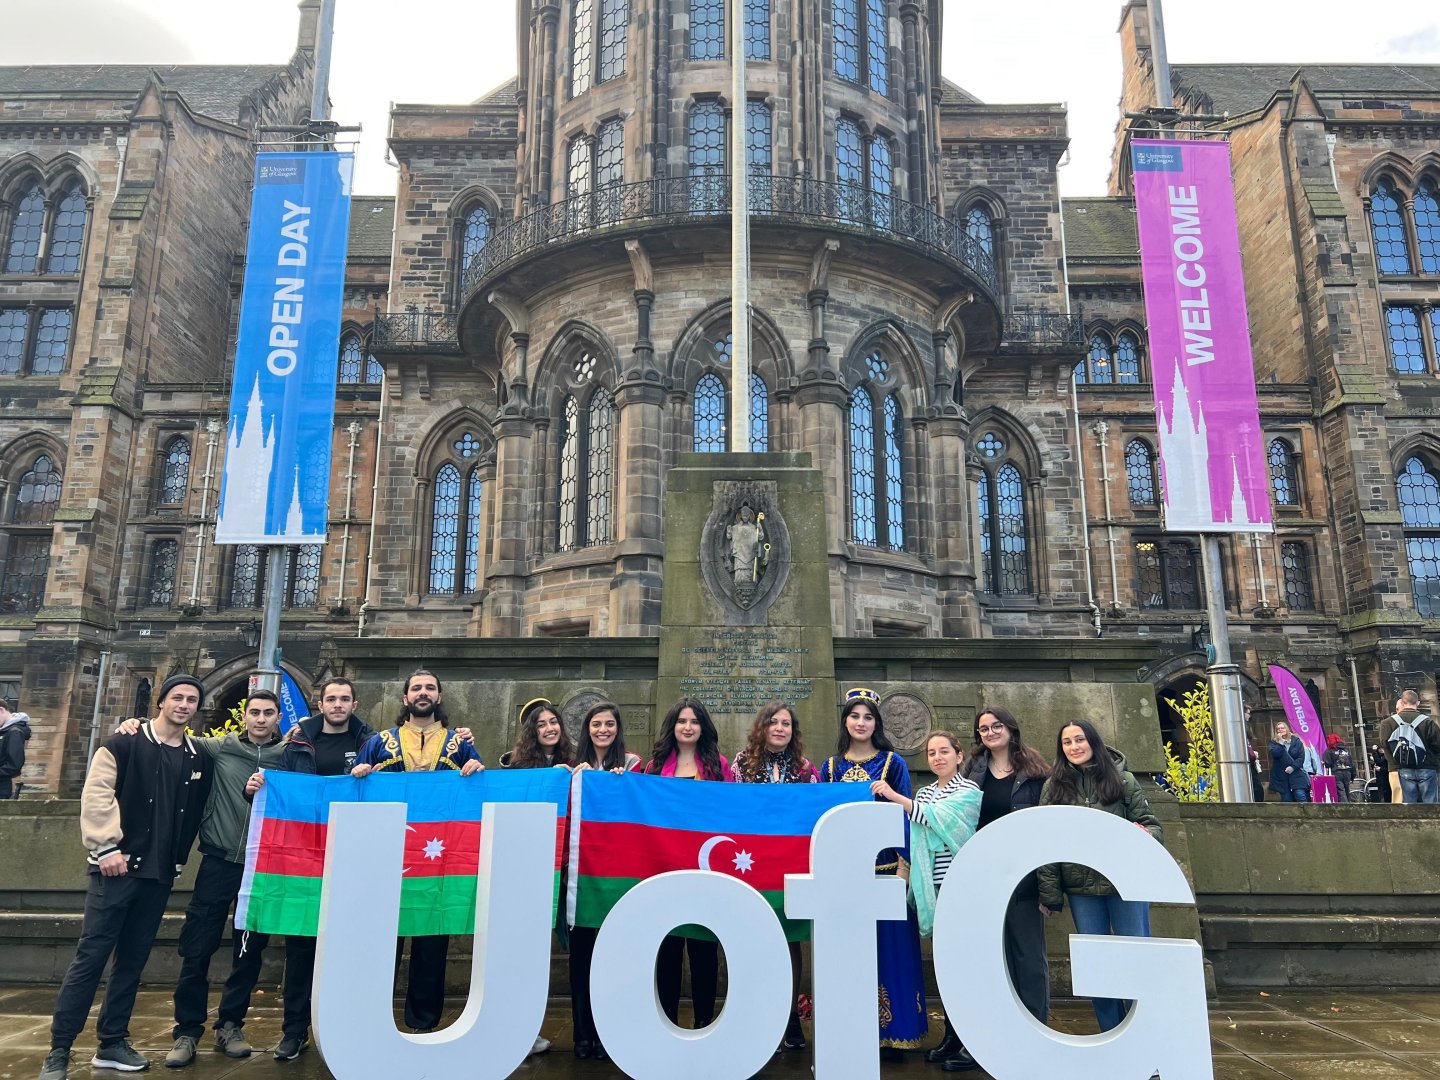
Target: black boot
[(960, 1061), (947, 1047)]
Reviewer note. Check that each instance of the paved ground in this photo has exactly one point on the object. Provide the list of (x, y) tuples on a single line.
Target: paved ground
[(1300, 1035)]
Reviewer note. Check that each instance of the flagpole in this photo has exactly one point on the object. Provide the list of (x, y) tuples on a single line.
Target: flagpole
[(1227, 698), (739, 240)]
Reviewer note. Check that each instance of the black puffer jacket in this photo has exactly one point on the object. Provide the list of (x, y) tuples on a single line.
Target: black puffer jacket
[(1057, 879)]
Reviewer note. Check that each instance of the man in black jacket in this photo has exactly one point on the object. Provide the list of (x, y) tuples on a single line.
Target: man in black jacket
[(14, 734), (139, 812)]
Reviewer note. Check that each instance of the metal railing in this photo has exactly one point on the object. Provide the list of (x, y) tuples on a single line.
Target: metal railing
[(399, 331), (1043, 330), (705, 196)]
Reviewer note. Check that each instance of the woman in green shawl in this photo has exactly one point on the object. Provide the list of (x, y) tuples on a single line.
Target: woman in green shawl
[(943, 816)]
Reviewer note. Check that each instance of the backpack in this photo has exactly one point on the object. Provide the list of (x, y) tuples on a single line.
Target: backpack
[(1408, 749)]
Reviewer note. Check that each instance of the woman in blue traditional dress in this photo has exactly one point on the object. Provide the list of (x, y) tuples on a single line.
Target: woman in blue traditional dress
[(864, 755)]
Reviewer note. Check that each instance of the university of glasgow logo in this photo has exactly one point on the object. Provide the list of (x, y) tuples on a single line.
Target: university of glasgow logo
[(1157, 158)]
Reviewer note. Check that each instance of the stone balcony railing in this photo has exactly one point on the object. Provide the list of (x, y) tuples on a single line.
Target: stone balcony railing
[(794, 200)]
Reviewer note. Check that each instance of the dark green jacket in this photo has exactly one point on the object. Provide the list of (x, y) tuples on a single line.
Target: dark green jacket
[(226, 824), (1057, 879)]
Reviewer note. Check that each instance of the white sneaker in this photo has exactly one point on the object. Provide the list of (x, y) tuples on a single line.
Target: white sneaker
[(541, 1045)]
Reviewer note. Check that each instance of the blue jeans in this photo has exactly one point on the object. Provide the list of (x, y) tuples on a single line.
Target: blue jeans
[(1299, 794), (1419, 785), (1110, 915)]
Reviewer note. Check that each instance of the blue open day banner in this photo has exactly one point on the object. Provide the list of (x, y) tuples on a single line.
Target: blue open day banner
[(276, 484)]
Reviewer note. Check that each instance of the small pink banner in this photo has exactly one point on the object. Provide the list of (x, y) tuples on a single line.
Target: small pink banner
[(1299, 709), (1212, 449)]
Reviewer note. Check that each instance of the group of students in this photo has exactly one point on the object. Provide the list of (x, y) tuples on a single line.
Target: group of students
[(1001, 775), (153, 788)]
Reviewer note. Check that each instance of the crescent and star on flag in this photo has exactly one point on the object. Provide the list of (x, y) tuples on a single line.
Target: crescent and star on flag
[(744, 861), (434, 848)]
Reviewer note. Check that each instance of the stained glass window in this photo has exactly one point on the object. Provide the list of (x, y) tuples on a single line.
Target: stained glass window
[(582, 46), (599, 447), (476, 235), (67, 234), (758, 152), (894, 477), (569, 494), (877, 42), (52, 341), (707, 29), (849, 153), (445, 530), (1127, 357), (759, 415), (882, 181), (1166, 575), (1295, 564), (982, 517), (1392, 254), (474, 505), (1010, 519), (1284, 483), (862, 468), (877, 366), (164, 559), (38, 494), (710, 434), (1140, 472), (303, 576), (22, 250), (1407, 346), (705, 151), (174, 471), (577, 177), (14, 329), (1100, 370), (1419, 493), (352, 359), (980, 228), (1426, 207), (757, 29), (1423, 553), (245, 576), (610, 154), (27, 563), (990, 445), (614, 23), (846, 17)]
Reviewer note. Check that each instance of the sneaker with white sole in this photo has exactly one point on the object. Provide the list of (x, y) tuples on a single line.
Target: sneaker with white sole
[(541, 1045), (57, 1064), (120, 1056), (182, 1053), (230, 1041), (290, 1048)]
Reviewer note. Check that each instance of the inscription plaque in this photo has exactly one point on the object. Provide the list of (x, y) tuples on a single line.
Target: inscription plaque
[(740, 670)]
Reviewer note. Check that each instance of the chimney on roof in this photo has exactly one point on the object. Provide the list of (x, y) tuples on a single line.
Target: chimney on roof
[(309, 26)]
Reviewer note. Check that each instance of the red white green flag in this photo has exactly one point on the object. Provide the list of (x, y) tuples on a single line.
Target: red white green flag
[(285, 856), (631, 827)]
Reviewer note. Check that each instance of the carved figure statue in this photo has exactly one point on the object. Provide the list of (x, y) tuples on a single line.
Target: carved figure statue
[(749, 552)]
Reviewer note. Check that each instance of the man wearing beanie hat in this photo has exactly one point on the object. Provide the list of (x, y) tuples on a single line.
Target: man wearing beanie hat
[(139, 813)]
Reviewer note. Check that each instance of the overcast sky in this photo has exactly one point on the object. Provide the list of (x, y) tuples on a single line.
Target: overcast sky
[(446, 51)]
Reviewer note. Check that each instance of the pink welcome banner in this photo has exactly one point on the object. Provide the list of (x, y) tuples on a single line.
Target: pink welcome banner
[(1212, 451)]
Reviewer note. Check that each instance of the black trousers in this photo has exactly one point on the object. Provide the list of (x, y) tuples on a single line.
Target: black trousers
[(216, 887), (1025, 954), (704, 977), (299, 977), (425, 986), (582, 951), (122, 917)]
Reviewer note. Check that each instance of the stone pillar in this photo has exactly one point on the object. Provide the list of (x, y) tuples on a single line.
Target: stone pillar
[(635, 588), (505, 576), (916, 172)]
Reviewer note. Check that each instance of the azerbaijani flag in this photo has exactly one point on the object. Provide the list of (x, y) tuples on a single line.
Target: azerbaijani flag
[(631, 827), (285, 855)]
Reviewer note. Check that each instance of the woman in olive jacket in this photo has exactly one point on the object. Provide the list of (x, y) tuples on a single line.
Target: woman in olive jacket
[(1088, 773)]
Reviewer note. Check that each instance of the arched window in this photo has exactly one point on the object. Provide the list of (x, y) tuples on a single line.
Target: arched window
[(357, 366), (1387, 223), (759, 415), (164, 563), (475, 234), (174, 472), (862, 49), (711, 435), (27, 539), (1407, 341), (455, 518), (1001, 520), (1100, 369), (27, 226), (67, 231), (894, 476), (1140, 473), (980, 227), (1427, 226), (1284, 481), (877, 463), (582, 46), (1127, 357), (1419, 494), (1295, 567), (586, 459), (707, 29), (863, 511)]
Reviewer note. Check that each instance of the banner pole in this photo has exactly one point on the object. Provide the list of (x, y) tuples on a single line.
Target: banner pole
[(739, 240), (267, 667)]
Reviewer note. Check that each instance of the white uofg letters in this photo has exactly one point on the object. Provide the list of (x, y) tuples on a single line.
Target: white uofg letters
[(1166, 1031)]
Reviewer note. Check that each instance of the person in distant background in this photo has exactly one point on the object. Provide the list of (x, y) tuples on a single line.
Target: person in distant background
[(1338, 761), (14, 734)]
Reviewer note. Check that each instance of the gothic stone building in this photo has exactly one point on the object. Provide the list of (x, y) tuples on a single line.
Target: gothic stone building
[(537, 325)]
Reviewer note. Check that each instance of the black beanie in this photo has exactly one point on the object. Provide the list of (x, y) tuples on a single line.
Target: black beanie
[(181, 680)]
